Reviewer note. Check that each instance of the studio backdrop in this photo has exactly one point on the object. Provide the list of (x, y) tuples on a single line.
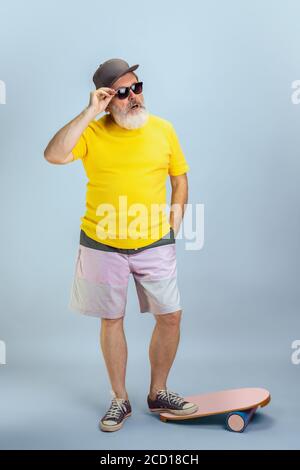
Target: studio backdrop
[(226, 74)]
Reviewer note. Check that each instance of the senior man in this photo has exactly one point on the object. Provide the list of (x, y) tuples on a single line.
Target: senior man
[(127, 155)]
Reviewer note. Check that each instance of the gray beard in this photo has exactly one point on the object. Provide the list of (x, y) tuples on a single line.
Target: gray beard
[(131, 120)]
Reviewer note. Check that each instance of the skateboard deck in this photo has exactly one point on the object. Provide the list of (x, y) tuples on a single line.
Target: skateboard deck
[(240, 405)]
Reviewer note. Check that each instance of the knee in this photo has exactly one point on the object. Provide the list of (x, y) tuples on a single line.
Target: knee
[(170, 320), (112, 322)]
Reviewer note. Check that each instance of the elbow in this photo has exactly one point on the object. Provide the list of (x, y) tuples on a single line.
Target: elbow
[(48, 157)]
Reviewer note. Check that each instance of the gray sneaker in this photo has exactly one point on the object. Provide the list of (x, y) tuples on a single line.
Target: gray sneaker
[(171, 402), (119, 410)]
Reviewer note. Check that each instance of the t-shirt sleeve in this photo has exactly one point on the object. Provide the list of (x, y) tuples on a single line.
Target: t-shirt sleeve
[(177, 163), (81, 148)]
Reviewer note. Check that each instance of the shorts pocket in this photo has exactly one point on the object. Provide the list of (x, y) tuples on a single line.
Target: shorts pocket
[(79, 268)]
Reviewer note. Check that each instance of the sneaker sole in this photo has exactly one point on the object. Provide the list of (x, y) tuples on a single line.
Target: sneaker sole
[(175, 412), (113, 427)]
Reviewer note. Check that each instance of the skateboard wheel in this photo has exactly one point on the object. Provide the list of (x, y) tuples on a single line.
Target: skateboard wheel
[(237, 421)]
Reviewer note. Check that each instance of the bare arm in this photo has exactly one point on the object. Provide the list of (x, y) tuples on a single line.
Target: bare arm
[(59, 149), (178, 200)]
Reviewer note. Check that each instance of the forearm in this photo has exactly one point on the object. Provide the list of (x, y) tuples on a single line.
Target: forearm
[(179, 200), (61, 145)]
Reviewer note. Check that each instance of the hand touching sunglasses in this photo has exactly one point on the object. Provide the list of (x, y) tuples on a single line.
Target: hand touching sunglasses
[(123, 92)]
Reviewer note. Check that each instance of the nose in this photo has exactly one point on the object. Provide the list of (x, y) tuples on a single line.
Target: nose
[(131, 94)]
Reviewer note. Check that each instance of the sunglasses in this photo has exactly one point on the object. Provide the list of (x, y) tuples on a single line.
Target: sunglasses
[(123, 92)]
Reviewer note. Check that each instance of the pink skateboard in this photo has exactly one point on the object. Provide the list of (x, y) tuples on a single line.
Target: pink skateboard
[(240, 404)]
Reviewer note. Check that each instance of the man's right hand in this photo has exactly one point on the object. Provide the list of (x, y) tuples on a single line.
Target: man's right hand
[(100, 99)]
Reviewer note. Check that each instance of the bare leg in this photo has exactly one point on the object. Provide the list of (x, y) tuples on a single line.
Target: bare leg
[(114, 349), (163, 348)]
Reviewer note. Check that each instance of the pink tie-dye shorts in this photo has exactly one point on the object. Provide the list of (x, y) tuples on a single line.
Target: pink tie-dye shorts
[(101, 280)]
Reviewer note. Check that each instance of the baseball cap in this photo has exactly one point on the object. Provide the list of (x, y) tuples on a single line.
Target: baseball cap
[(109, 71)]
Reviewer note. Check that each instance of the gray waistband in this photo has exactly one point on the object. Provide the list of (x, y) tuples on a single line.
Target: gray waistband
[(90, 243)]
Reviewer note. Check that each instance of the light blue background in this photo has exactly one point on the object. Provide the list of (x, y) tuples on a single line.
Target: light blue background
[(221, 72)]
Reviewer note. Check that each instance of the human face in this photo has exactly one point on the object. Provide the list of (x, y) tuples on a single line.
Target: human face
[(131, 112)]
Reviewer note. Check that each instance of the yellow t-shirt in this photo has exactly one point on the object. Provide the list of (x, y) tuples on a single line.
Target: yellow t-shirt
[(127, 171)]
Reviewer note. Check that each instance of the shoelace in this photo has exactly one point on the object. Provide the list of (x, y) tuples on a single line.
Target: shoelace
[(172, 397), (117, 406)]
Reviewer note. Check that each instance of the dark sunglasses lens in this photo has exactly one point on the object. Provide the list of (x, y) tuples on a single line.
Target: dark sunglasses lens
[(138, 88), (123, 93)]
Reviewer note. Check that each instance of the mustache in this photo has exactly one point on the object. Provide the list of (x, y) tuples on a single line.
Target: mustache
[(128, 108), (133, 104)]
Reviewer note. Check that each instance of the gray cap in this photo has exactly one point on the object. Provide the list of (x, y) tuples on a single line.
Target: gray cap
[(108, 72)]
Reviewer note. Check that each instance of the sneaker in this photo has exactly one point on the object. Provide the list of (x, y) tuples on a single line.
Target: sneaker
[(119, 410), (171, 402)]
